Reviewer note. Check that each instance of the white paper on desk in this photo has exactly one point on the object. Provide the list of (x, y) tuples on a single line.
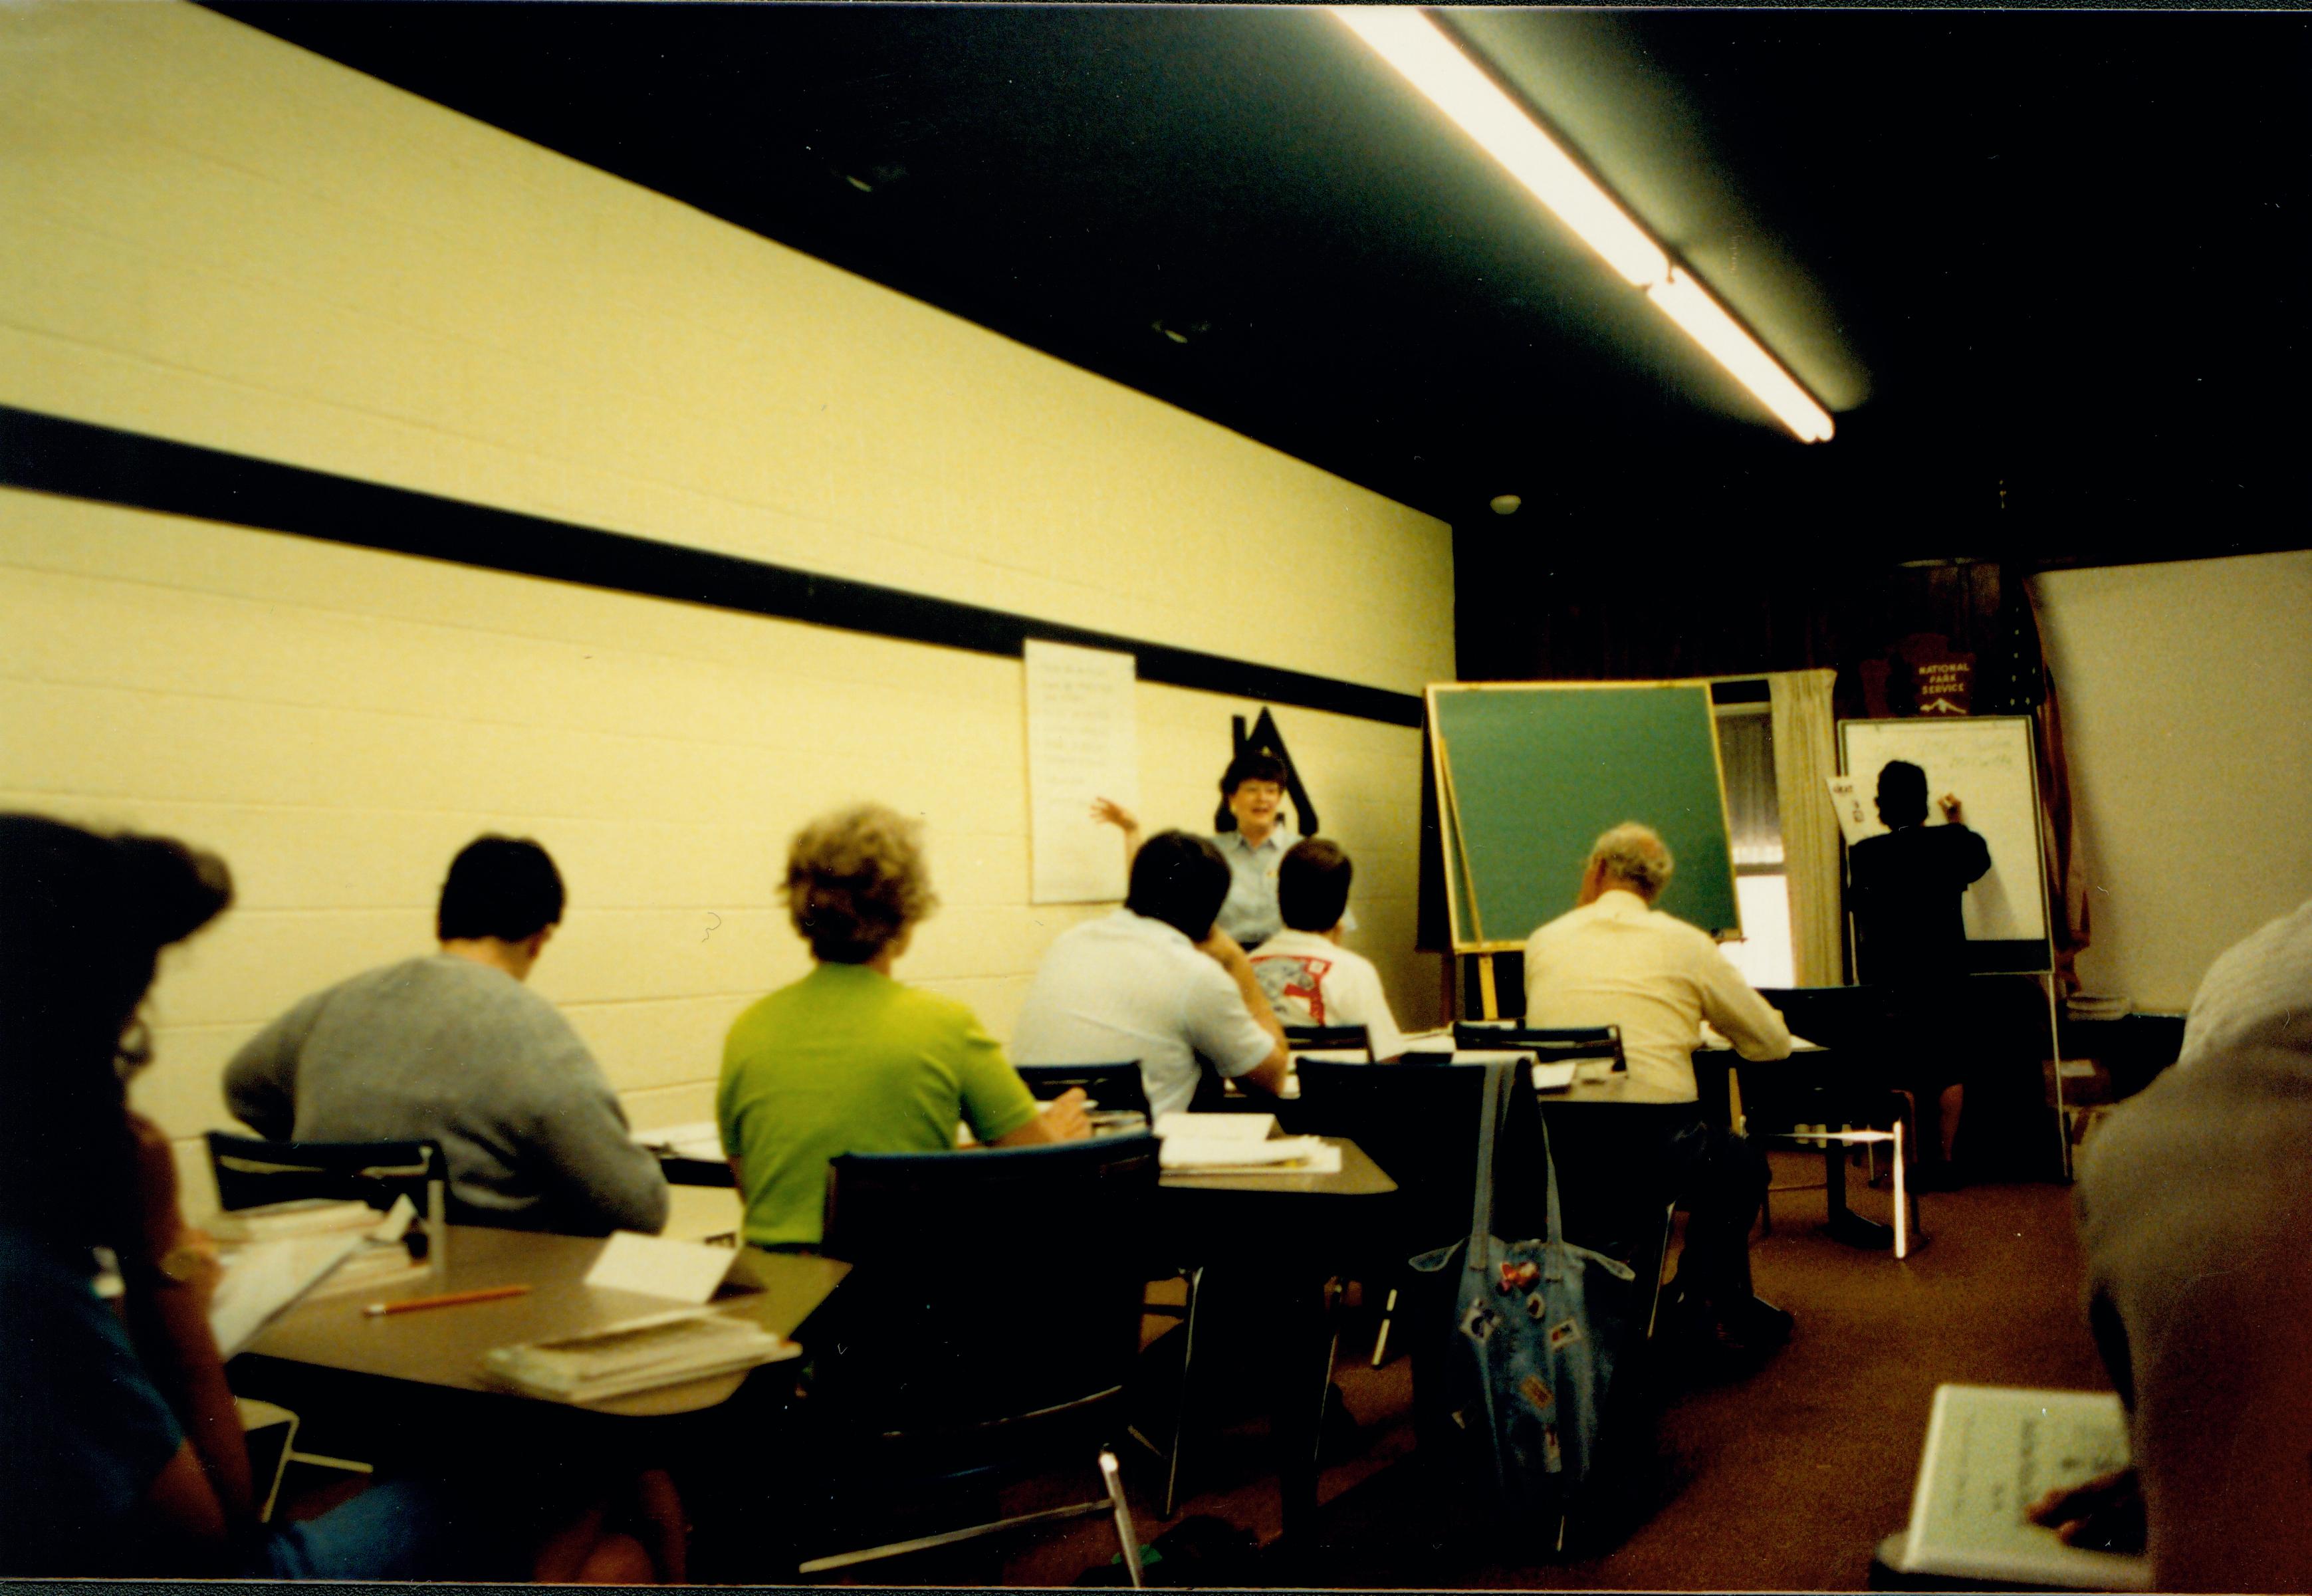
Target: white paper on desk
[(264, 1277), (1555, 1077), (1083, 745), (654, 1267), (1234, 1128), (1285, 1155)]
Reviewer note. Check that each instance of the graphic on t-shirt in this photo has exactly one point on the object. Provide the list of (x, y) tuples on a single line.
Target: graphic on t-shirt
[(1294, 985)]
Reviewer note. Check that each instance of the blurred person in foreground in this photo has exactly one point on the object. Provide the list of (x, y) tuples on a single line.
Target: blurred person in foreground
[(2198, 1283), (122, 1452)]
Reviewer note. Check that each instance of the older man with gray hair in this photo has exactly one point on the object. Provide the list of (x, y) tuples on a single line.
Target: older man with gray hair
[(1616, 959)]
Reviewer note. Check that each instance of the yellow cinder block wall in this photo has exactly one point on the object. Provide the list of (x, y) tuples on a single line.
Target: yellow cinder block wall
[(212, 236)]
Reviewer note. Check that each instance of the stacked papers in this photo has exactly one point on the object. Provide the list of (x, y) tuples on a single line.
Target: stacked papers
[(637, 1354), (313, 1216), (264, 1277), (1239, 1144), (1217, 1128), (371, 1264), (1280, 1155)]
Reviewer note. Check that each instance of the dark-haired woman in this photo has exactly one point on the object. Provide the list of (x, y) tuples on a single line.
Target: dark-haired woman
[(120, 1449), (847, 1059), (1252, 788)]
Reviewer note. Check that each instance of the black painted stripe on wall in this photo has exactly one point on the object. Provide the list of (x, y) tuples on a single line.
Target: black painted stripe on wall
[(78, 459)]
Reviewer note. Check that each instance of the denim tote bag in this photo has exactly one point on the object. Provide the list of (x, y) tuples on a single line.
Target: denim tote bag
[(1537, 1328)]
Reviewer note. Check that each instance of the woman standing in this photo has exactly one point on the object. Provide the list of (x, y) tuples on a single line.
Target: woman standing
[(1252, 788)]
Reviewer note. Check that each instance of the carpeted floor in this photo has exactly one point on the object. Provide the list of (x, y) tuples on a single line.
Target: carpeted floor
[(1784, 1479)]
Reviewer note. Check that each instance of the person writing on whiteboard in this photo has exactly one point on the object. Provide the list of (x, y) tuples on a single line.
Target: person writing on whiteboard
[(1616, 959), (1904, 893), (1908, 881), (1253, 788)]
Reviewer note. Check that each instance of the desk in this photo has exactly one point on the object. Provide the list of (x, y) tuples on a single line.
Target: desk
[(404, 1377), (1307, 1228)]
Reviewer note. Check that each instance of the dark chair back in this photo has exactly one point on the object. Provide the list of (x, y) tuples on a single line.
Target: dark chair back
[(1110, 1086), (251, 1171), (1846, 1018), (1421, 1125), (1868, 1038), (987, 1285), (1549, 1044), (1301, 1038)]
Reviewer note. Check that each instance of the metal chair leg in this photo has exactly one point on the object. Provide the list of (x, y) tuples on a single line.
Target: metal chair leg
[(263, 1416), (1380, 1342), (1127, 1537), (1180, 1401), (1661, 1257), (1333, 1292)]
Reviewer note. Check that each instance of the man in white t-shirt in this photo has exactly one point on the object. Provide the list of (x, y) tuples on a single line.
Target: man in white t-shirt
[(1308, 976), (1616, 959), (1157, 982)]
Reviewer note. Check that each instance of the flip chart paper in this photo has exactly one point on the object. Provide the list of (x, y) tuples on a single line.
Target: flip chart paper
[(1083, 745)]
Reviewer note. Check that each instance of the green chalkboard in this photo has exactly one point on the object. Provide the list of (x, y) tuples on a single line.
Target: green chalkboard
[(1529, 774)]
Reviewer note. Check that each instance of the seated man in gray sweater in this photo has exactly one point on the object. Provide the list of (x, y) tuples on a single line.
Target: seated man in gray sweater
[(456, 1048)]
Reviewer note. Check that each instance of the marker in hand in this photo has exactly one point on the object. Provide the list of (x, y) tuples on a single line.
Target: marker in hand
[(446, 1300)]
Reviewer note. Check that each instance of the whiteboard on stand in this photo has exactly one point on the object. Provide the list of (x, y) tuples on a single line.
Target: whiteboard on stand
[(1987, 763)]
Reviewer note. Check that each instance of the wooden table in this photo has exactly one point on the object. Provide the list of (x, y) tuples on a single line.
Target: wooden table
[(416, 1379)]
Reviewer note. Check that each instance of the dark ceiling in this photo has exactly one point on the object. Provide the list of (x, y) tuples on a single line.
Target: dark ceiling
[(2047, 269)]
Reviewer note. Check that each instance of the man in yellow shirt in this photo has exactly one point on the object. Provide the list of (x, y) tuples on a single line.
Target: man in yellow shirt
[(1616, 959)]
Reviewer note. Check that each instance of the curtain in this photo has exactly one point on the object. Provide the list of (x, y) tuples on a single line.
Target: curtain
[(1804, 754)]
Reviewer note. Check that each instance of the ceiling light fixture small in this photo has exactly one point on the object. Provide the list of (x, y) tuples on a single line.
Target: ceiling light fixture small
[(1506, 504)]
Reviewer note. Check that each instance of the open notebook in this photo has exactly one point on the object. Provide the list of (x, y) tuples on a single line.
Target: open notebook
[(1992, 1451)]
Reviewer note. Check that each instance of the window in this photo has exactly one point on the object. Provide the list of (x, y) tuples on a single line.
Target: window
[(1746, 753)]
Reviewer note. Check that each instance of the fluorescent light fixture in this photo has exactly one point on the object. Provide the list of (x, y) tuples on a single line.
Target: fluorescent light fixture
[(1689, 303), (1429, 59)]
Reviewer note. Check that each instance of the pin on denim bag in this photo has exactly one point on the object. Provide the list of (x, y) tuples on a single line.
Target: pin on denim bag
[(1537, 1327)]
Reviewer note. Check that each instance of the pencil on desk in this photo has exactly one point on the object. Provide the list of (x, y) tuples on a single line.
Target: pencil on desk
[(446, 1300)]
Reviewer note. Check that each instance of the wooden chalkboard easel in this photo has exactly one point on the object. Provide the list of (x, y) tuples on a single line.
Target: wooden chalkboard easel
[(1529, 774)]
